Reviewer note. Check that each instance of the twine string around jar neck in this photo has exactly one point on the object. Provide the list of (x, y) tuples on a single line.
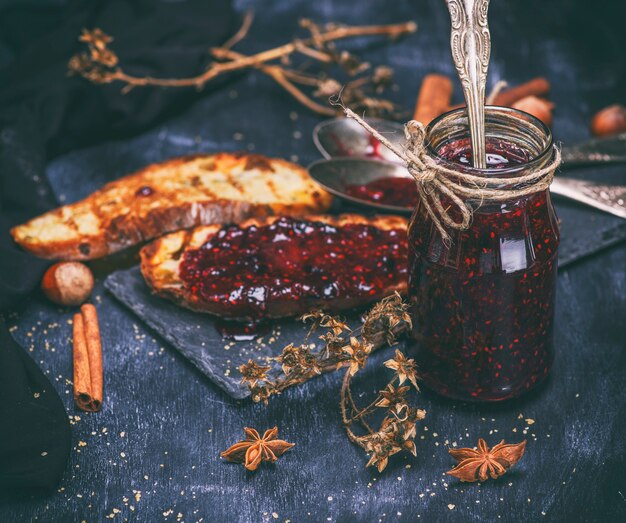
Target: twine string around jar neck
[(435, 180)]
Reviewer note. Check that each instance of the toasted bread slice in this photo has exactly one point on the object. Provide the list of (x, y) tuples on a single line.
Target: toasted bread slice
[(278, 268), (176, 194)]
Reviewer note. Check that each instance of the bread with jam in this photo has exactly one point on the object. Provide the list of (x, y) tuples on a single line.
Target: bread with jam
[(280, 266)]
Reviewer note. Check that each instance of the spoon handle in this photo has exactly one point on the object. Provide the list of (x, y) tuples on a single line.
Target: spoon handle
[(596, 151), (608, 198), (470, 43)]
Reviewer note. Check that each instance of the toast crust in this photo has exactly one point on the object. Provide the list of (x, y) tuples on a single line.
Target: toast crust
[(176, 194), (160, 265)]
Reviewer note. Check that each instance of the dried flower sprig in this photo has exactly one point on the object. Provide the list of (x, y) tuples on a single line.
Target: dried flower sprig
[(350, 349), (362, 91), (397, 429), (381, 325)]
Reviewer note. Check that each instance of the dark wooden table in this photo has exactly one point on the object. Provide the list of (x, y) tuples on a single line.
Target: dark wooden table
[(152, 453)]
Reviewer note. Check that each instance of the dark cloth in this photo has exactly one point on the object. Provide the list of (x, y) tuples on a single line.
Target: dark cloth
[(44, 112), (35, 432)]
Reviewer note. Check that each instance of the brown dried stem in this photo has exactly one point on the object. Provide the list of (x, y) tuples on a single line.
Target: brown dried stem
[(100, 64), (281, 75), (242, 32), (338, 33)]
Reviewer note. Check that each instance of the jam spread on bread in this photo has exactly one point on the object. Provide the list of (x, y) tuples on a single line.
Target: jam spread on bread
[(246, 269)]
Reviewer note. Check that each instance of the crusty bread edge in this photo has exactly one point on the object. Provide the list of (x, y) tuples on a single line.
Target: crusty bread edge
[(129, 230)]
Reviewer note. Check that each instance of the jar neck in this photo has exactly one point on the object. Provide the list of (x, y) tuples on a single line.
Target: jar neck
[(521, 130)]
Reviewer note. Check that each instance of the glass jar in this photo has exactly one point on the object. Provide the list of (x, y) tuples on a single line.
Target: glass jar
[(483, 304)]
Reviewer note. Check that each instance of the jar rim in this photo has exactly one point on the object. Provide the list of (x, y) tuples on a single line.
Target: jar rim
[(509, 112)]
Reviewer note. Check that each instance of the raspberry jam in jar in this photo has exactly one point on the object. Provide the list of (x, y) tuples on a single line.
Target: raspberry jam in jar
[(483, 304)]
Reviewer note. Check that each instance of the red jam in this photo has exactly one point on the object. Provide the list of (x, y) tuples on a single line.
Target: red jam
[(374, 149), (483, 308), (397, 191), (292, 263), (500, 153), (237, 330)]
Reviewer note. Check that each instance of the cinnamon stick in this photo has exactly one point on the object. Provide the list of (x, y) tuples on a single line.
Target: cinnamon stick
[(535, 87), (87, 360), (433, 99), (82, 378)]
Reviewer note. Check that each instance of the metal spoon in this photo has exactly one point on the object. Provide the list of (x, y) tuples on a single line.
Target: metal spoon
[(596, 151), (344, 137), (336, 174), (470, 43), (607, 198)]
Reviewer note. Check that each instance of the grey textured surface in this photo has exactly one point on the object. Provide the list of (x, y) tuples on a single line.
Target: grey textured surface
[(189, 332), (152, 453), (196, 337)]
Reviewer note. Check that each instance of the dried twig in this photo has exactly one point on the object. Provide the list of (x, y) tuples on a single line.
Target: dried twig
[(101, 65), (281, 76), (242, 32)]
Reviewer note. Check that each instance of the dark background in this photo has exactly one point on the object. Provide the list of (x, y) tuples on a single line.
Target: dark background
[(155, 445)]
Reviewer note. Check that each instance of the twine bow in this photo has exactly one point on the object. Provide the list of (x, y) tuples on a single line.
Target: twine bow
[(435, 181)]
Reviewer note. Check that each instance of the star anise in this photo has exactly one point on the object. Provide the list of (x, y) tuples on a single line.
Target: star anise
[(321, 319), (255, 449), (479, 465), (300, 357)]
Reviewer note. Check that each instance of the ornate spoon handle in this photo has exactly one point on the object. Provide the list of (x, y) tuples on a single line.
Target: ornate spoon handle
[(608, 198), (596, 151), (470, 43)]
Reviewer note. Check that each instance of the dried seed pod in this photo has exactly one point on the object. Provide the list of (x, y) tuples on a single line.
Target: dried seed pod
[(67, 283)]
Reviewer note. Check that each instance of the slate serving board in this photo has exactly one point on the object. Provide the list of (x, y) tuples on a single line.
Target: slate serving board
[(196, 337)]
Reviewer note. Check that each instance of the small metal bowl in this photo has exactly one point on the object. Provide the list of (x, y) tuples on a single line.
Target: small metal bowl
[(343, 137), (338, 173)]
